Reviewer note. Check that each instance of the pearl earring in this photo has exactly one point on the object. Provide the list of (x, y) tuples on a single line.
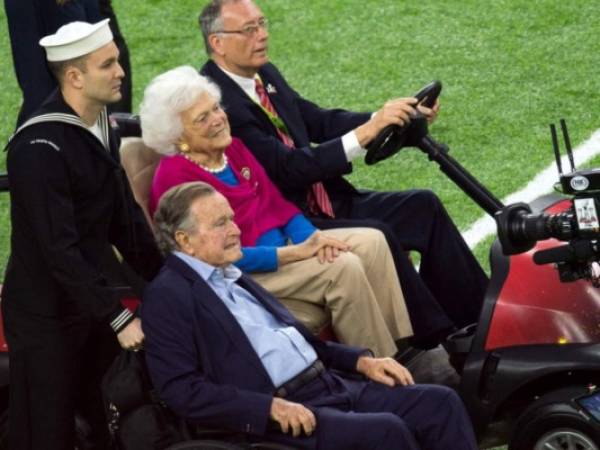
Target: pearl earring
[(184, 147)]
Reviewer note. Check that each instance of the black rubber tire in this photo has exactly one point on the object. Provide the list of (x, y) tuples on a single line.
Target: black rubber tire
[(204, 444), (270, 446), (4, 430), (560, 417)]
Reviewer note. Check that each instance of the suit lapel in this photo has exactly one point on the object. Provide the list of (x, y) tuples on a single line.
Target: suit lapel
[(206, 298), (278, 99), (275, 96), (270, 303), (275, 307), (235, 97), (233, 94)]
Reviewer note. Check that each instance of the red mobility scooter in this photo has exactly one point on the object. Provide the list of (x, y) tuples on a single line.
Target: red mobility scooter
[(532, 362)]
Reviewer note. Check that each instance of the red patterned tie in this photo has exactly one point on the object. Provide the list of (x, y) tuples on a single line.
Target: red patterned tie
[(318, 199)]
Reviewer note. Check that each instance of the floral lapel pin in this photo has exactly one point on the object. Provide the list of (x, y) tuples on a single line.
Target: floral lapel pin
[(245, 172)]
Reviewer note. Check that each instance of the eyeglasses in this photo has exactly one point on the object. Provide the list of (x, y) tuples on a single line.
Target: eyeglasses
[(249, 30)]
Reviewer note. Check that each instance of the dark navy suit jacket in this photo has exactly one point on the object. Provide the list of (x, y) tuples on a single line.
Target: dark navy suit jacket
[(200, 359), (319, 154)]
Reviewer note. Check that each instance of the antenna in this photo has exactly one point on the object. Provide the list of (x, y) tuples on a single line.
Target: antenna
[(555, 148), (565, 133)]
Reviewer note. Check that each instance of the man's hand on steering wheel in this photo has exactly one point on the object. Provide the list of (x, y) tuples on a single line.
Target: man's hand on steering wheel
[(398, 111), (430, 113), (395, 135)]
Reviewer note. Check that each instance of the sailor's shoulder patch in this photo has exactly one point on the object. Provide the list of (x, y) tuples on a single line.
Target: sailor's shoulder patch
[(45, 141)]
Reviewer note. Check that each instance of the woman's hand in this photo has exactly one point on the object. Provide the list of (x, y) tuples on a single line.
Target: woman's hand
[(325, 248)]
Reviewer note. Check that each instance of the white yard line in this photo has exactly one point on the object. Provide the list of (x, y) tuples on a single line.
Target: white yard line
[(540, 185)]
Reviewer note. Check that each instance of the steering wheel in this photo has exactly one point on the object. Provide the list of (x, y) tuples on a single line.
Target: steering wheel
[(393, 137)]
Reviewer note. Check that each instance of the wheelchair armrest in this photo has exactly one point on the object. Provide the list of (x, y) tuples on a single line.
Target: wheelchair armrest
[(203, 432), (247, 441), (270, 446), (205, 444)]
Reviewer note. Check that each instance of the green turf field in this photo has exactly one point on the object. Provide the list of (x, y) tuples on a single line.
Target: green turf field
[(509, 67)]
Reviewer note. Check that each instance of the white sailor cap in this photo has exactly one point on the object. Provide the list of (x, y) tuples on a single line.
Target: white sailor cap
[(76, 39)]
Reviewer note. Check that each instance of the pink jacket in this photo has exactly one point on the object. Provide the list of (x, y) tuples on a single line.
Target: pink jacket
[(258, 205)]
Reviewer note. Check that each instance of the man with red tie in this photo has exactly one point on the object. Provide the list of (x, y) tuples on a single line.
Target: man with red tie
[(306, 149)]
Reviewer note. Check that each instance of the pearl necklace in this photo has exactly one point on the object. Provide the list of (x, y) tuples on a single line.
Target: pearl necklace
[(221, 168)]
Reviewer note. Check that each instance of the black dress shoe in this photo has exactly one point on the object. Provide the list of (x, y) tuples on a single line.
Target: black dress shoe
[(406, 352), (408, 356), (432, 340), (457, 361)]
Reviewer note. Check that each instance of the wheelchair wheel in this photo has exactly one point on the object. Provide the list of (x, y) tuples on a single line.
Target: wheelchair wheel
[(204, 444), (4, 430), (270, 446)]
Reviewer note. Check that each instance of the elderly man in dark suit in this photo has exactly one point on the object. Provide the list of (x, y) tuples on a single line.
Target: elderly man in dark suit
[(306, 149), (222, 351)]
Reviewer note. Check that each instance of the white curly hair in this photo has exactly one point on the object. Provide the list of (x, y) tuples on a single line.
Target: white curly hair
[(165, 98)]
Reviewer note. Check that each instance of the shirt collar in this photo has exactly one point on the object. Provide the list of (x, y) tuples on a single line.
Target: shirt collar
[(248, 85), (206, 271)]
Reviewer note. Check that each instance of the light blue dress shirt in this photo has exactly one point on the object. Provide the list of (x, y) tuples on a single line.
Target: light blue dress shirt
[(282, 350)]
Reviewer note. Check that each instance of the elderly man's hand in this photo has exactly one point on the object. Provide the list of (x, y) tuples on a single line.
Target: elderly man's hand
[(131, 337), (384, 370), (293, 417)]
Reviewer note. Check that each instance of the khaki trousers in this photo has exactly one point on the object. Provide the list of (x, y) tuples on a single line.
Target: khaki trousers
[(360, 289)]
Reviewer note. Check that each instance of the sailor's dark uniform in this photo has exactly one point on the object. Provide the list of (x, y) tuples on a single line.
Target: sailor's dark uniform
[(70, 204)]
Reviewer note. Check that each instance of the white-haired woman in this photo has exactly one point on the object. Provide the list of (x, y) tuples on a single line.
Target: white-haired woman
[(348, 271)]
